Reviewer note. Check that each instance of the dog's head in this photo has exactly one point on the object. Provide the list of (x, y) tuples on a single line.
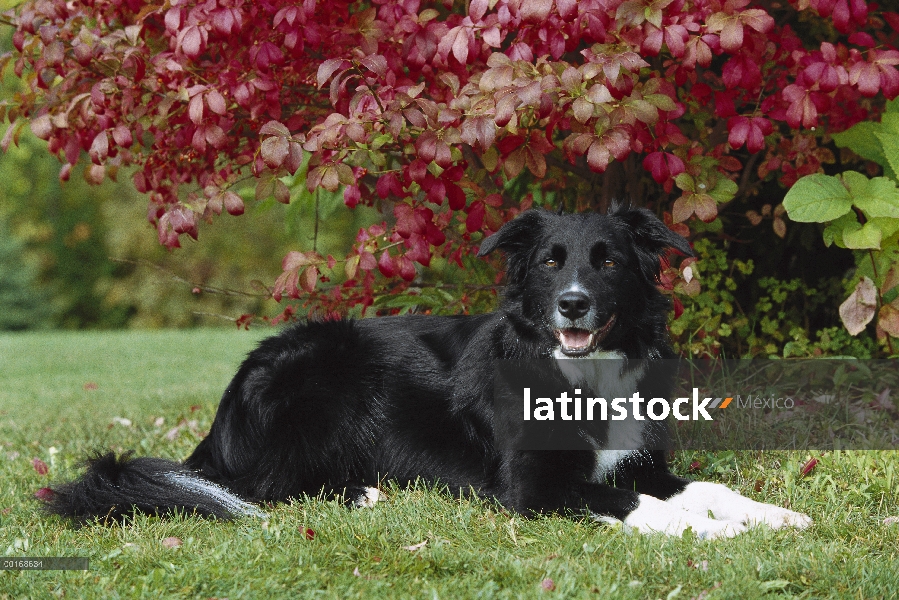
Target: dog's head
[(586, 279)]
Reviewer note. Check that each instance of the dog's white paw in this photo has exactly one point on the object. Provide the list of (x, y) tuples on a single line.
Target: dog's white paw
[(656, 516), (772, 516), (371, 497), (700, 497)]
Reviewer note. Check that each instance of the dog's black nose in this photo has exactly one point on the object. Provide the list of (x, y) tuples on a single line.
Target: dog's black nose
[(574, 305)]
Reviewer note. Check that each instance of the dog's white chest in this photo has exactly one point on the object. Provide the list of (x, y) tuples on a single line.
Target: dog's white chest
[(604, 372)]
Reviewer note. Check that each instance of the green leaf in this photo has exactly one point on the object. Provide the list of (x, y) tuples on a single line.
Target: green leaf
[(661, 101), (724, 190), (890, 145), (833, 233), (876, 197), (817, 199), (861, 138), (864, 238), (887, 226), (685, 182), (889, 123)]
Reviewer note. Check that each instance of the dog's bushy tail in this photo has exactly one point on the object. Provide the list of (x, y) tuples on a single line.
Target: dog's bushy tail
[(113, 488)]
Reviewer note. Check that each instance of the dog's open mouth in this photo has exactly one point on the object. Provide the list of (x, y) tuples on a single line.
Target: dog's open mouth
[(580, 342)]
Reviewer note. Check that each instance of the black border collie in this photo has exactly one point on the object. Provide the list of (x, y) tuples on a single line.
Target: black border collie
[(338, 407)]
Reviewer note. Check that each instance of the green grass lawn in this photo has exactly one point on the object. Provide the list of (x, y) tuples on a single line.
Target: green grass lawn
[(65, 394)]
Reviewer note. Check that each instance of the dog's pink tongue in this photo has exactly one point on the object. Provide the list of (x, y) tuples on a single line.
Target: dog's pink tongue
[(575, 338)]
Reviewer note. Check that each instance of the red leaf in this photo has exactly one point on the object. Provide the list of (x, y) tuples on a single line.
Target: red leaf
[(44, 494), (866, 76), (122, 136), (328, 68), (274, 150), (407, 269), (809, 467), (598, 156), (274, 128), (173, 19), (99, 148), (94, 174), (233, 203), (351, 195), (308, 533), (477, 9), (455, 195), (195, 109), (367, 261), (281, 192), (42, 127), (39, 466), (732, 35), (841, 16), (386, 265), (475, 218), (663, 166), (216, 102), (309, 278), (375, 63), (535, 11), (192, 41)]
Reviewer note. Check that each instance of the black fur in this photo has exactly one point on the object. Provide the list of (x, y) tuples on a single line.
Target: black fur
[(337, 406)]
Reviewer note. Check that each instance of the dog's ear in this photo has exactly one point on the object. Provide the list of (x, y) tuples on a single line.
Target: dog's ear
[(517, 238), (650, 234), (651, 239)]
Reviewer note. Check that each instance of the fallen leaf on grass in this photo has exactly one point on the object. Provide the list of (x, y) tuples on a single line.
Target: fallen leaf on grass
[(415, 547), (90, 385), (548, 584), (45, 494), (309, 533), (172, 542), (809, 467), (39, 466)]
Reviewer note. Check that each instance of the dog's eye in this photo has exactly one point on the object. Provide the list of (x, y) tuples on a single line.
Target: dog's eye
[(551, 262), (608, 262)]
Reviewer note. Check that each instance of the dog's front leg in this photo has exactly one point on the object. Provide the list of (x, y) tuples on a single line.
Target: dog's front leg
[(542, 485), (702, 497), (648, 474), (649, 514)]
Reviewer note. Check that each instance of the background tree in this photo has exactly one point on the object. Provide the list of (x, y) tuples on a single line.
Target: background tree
[(449, 118)]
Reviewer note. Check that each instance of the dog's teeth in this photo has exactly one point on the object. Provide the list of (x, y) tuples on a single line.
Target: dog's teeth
[(575, 338)]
